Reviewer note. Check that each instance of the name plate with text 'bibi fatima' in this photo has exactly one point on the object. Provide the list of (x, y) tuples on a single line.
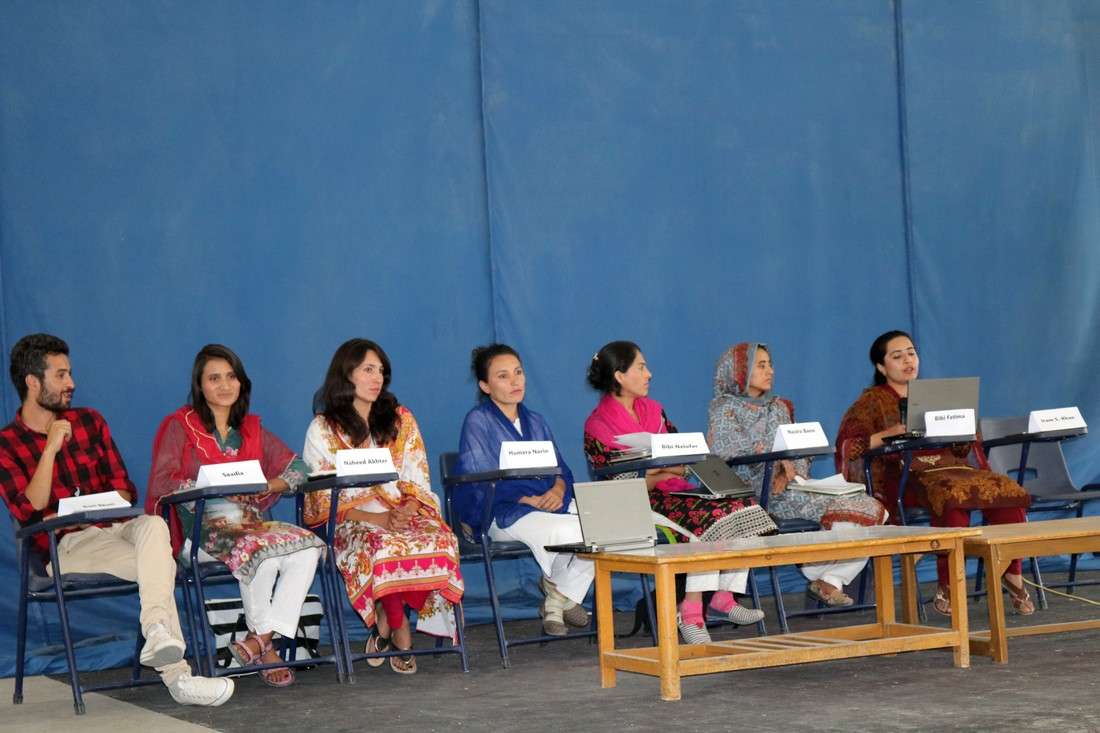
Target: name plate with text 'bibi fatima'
[(664, 445), (1060, 418), (800, 435), (948, 423), (230, 474), (364, 462), (527, 454)]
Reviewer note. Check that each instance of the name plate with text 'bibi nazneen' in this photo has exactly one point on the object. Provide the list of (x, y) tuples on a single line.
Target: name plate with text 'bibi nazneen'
[(678, 444)]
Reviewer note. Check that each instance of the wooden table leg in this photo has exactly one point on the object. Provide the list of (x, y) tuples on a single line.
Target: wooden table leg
[(995, 567), (956, 565), (884, 591), (605, 623), (668, 643), (909, 599)]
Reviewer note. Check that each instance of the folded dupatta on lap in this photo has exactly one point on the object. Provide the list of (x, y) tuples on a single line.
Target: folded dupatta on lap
[(483, 430)]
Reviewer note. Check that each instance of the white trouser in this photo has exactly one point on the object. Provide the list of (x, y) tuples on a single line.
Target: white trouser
[(269, 607), (838, 573), (570, 574), (734, 581)]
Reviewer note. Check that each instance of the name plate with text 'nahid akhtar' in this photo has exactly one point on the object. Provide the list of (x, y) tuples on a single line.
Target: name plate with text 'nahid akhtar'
[(364, 462), (664, 445), (948, 423), (800, 435), (527, 454), (230, 474), (1061, 418)]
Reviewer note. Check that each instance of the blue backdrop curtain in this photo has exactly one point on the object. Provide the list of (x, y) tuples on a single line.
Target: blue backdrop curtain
[(434, 175)]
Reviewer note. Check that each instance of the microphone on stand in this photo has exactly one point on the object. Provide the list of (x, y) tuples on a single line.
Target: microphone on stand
[(903, 407)]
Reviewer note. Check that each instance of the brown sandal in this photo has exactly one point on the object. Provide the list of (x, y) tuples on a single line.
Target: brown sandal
[(404, 663), (1021, 599), (941, 602)]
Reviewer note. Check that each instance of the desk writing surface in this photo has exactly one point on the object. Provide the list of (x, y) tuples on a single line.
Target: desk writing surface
[(1030, 531), (787, 543)]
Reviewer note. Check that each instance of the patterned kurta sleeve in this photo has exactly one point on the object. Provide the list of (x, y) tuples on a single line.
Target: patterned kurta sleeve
[(279, 461), (319, 458), (411, 455)]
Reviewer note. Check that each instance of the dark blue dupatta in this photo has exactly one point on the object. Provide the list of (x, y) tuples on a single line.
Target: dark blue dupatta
[(483, 430)]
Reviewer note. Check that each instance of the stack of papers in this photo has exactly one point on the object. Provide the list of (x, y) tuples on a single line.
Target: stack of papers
[(834, 485), (638, 445)]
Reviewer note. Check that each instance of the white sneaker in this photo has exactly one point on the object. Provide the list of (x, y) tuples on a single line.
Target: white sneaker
[(160, 648), (208, 691)]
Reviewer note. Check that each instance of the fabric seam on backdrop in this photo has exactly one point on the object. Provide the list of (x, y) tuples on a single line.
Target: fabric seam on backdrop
[(903, 154), (485, 173)]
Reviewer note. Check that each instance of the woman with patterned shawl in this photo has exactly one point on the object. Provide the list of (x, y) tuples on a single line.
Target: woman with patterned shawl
[(743, 418), (536, 512), (620, 373), (392, 546), (942, 481), (274, 561)]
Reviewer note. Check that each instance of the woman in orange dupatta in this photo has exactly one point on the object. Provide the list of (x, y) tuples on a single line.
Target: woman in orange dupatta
[(392, 546)]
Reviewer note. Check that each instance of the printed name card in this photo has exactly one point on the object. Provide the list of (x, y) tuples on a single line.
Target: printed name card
[(527, 454), (948, 423), (230, 474), (364, 462), (1060, 418), (800, 435), (678, 444), (90, 502)]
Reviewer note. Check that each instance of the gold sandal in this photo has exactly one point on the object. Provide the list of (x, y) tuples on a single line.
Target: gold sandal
[(1021, 599), (941, 602)]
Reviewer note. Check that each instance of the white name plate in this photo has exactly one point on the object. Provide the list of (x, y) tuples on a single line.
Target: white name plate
[(948, 423), (364, 462), (230, 474), (1060, 418), (90, 502), (664, 445), (527, 454), (800, 435)]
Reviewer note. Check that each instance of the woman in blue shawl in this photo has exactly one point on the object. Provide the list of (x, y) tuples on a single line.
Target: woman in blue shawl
[(536, 512)]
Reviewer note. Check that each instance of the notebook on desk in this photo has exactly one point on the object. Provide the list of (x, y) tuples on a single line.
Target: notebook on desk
[(614, 516), (716, 481), (931, 395)]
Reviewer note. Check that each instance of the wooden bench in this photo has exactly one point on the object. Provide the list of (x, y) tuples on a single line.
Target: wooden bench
[(999, 545), (670, 660)]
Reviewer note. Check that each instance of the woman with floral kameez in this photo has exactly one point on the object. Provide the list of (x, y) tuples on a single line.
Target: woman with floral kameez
[(941, 481), (619, 371), (274, 561), (392, 546), (743, 418)]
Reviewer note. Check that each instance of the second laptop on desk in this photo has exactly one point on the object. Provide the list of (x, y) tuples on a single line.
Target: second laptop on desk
[(614, 516)]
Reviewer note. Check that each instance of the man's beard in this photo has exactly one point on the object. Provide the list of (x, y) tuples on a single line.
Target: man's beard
[(54, 401)]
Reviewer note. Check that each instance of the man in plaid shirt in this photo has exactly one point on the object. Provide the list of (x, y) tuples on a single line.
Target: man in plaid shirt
[(52, 450)]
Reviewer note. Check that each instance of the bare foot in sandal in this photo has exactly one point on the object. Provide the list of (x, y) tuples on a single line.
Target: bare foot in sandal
[(402, 639), (1017, 593)]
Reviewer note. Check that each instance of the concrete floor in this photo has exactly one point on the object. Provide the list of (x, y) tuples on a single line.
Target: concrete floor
[(1050, 683)]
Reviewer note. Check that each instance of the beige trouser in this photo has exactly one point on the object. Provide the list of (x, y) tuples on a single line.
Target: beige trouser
[(137, 550)]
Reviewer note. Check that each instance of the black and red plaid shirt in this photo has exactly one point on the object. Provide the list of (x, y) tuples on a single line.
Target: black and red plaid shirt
[(89, 461)]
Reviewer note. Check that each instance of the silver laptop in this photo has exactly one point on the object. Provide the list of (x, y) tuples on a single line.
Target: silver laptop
[(716, 481), (931, 395), (614, 515)]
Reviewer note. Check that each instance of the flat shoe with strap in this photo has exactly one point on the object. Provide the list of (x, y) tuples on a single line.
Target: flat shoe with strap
[(1021, 599)]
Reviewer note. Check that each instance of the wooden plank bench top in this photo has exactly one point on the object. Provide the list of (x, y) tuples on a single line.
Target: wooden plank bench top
[(998, 545), (670, 660)]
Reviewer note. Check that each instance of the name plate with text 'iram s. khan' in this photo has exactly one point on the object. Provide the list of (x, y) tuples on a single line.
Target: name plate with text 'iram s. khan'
[(1060, 418), (527, 454), (364, 462)]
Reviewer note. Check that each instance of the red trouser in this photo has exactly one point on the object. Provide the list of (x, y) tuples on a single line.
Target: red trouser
[(961, 518), (394, 605)]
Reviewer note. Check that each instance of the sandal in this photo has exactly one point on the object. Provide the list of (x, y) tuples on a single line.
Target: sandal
[(377, 644), (274, 677), (837, 598), (404, 663), (242, 652), (941, 602), (1021, 599)]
